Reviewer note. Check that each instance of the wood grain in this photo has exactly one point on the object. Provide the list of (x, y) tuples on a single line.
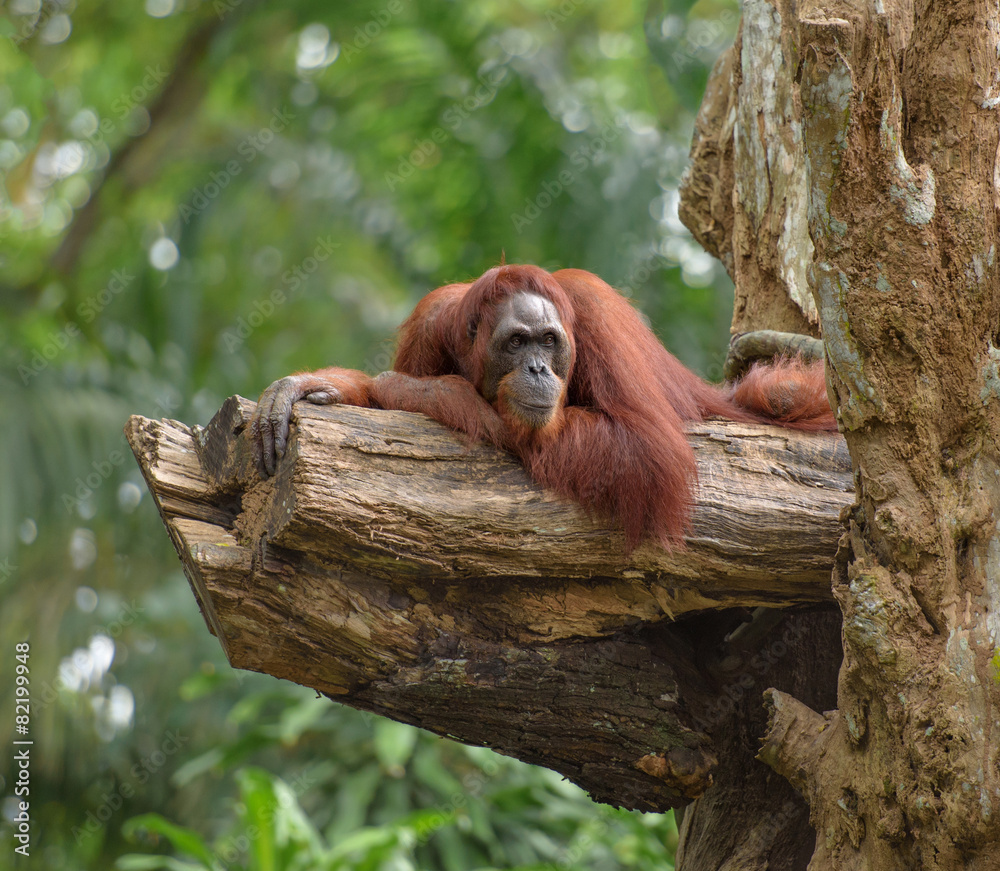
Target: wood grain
[(393, 566)]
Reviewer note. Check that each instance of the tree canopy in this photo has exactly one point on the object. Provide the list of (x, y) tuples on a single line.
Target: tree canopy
[(200, 197)]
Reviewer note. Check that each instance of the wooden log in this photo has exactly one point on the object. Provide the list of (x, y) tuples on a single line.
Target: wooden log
[(392, 566)]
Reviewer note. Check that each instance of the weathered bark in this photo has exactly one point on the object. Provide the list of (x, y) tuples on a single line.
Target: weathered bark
[(413, 503), (745, 192), (706, 202), (892, 110), (751, 818), (401, 571)]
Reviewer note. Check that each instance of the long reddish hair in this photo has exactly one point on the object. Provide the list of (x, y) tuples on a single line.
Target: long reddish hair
[(618, 447)]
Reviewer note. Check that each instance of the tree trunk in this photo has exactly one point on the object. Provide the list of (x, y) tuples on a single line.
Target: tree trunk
[(888, 114), (400, 571)]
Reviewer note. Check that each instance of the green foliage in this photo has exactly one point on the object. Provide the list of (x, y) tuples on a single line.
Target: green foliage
[(199, 197), (535, 823), (393, 796)]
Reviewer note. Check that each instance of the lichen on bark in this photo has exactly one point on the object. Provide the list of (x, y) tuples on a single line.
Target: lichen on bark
[(897, 104)]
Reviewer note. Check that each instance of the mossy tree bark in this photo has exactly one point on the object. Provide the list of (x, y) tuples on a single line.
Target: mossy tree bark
[(886, 115)]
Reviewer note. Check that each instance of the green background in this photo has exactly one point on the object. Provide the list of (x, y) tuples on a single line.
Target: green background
[(199, 198)]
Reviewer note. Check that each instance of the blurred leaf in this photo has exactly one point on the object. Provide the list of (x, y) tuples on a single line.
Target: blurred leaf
[(262, 808), (200, 685), (183, 840), (394, 743), (138, 862), (197, 766), (300, 718)]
